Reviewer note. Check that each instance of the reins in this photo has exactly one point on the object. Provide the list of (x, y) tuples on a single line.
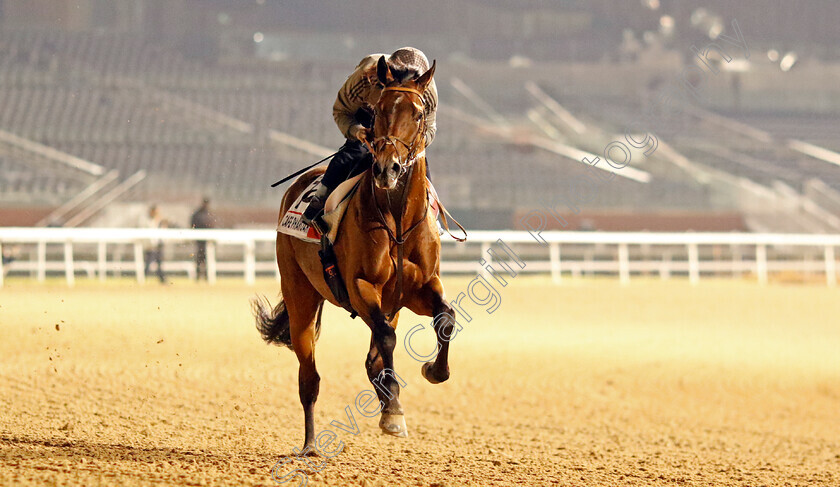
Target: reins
[(406, 166)]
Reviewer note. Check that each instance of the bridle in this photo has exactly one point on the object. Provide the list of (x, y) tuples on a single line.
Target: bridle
[(406, 166), (379, 143)]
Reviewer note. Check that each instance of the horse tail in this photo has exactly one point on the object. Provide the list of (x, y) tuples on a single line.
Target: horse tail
[(273, 324)]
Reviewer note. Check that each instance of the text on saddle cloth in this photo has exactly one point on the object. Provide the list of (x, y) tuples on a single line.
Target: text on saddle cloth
[(334, 209)]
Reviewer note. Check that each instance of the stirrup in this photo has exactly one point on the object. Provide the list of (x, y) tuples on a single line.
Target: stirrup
[(313, 216), (319, 224)]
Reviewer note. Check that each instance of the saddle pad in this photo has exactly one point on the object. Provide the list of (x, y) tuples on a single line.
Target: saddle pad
[(334, 209)]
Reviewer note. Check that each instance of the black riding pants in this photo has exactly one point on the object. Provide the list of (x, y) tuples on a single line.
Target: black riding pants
[(353, 158)]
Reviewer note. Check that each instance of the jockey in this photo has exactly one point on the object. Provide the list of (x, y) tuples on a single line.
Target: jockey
[(353, 113)]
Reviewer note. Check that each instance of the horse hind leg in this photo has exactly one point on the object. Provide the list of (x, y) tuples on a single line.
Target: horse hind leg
[(303, 303)]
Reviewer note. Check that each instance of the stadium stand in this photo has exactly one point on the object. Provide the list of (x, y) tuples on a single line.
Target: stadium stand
[(125, 102)]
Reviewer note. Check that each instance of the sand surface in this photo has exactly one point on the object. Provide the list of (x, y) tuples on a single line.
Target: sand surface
[(587, 383)]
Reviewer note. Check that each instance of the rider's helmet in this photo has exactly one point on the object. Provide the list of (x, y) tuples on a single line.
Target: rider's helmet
[(407, 63)]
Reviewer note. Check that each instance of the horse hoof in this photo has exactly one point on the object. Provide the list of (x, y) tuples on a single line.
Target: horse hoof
[(430, 375), (394, 425), (309, 450)]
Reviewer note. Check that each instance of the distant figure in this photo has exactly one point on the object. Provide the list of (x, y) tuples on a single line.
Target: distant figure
[(153, 249), (202, 218), (9, 255)]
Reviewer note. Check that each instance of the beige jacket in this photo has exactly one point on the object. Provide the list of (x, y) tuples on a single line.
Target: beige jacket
[(362, 90)]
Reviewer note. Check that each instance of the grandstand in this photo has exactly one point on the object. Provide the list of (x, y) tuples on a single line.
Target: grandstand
[(122, 108)]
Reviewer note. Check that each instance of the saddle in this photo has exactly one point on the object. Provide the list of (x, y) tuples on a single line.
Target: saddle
[(334, 209)]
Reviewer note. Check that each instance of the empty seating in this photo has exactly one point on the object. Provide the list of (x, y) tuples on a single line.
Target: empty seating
[(127, 104)]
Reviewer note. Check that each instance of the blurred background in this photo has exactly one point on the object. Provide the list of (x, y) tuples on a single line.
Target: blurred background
[(107, 106)]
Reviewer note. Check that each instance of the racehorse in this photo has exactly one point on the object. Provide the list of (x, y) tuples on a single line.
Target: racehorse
[(388, 252)]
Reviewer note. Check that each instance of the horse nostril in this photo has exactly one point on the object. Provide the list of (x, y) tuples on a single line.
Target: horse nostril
[(395, 167), (376, 169)]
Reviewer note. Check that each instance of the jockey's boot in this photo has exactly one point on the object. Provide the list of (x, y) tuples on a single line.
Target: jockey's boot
[(314, 213)]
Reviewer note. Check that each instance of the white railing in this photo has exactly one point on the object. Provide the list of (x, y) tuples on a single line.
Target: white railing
[(575, 253)]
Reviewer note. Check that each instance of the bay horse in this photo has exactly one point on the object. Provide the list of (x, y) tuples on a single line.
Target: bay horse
[(388, 255)]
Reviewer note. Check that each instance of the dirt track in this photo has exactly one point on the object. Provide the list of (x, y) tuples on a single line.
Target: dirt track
[(585, 384)]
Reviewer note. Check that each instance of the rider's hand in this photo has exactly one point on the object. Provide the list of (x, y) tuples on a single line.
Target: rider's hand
[(361, 133)]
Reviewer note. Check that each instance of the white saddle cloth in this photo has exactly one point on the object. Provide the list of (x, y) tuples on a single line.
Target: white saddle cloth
[(334, 209)]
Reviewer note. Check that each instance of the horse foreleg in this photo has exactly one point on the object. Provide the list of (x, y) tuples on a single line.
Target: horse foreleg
[(374, 367), (380, 362), (386, 381), (444, 325)]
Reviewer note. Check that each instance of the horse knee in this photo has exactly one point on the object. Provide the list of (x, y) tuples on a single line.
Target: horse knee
[(385, 338), (444, 321)]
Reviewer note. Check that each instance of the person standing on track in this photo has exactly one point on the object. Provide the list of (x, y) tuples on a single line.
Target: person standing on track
[(202, 218), (153, 249)]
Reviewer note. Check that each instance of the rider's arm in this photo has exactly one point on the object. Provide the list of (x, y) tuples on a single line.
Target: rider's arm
[(351, 97), (430, 99)]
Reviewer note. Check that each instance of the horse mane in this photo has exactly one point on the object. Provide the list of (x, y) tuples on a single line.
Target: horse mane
[(403, 75)]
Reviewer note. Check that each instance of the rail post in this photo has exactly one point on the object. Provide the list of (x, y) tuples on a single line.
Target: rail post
[(139, 265), (556, 270), (69, 271), (693, 264), (623, 263), (665, 266)]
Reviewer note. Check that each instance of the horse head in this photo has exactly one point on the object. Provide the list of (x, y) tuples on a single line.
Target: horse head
[(399, 124)]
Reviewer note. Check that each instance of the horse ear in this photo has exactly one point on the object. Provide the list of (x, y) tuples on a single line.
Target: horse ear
[(423, 81), (383, 72)]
